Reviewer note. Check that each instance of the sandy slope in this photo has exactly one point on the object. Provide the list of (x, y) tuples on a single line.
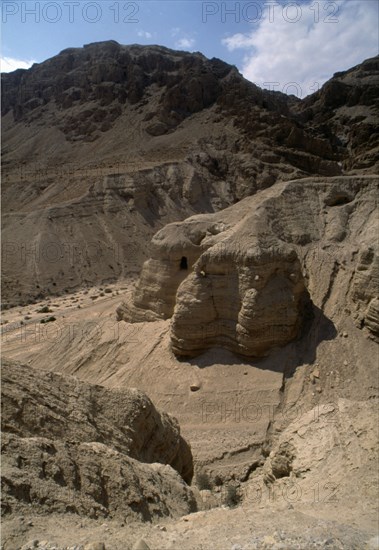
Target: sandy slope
[(239, 406)]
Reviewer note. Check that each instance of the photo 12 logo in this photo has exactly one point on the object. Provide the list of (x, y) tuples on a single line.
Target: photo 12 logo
[(290, 492), (55, 252), (254, 12), (223, 411), (54, 330), (69, 12), (291, 88)]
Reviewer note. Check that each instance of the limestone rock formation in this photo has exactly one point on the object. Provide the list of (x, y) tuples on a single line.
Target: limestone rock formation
[(244, 278), (70, 446), (174, 251), (365, 288), (312, 439), (89, 479)]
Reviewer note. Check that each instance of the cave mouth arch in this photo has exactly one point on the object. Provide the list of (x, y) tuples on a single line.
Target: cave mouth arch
[(184, 263)]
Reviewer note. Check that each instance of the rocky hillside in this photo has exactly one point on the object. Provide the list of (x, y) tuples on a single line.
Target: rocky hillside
[(293, 431), (103, 145), (345, 111), (254, 320), (70, 447), (245, 278)]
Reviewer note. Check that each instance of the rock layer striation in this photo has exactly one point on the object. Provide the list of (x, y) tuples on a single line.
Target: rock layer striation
[(247, 278), (68, 446)]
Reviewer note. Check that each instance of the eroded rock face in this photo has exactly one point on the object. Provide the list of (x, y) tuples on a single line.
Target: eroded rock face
[(71, 446), (253, 269), (65, 408), (88, 479), (174, 251), (248, 305), (346, 107), (365, 289)]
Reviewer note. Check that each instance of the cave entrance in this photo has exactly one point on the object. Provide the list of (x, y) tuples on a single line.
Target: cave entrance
[(183, 263)]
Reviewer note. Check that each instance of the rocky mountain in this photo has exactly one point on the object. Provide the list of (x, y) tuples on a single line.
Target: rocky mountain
[(103, 145), (345, 111)]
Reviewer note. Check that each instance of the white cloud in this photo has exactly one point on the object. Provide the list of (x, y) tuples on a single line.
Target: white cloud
[(185, 43), (310, 49), (9, 64), (144, 34)]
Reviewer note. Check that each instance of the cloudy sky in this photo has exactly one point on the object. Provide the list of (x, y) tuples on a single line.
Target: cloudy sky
[(291, 46)]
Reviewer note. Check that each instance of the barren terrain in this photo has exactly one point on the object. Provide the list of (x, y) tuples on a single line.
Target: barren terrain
[(190, 315)]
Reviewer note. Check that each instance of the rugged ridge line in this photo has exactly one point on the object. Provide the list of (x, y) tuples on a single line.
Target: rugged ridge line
[(141, 136)]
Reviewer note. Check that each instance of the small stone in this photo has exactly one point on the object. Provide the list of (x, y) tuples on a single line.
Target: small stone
[(194, 387), (162, 528), (345, 334), (319, 390), (29, 523), (141, 545), (316, 373), (94, 546), (345, 363), (302, 431), (256, 278)]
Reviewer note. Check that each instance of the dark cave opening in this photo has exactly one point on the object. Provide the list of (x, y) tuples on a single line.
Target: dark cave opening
[(183, 263)]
